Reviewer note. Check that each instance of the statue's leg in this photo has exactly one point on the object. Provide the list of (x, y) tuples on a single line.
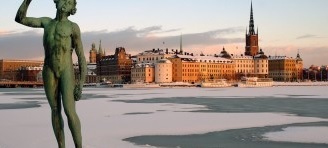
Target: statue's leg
[(53, 96), (67, 88)]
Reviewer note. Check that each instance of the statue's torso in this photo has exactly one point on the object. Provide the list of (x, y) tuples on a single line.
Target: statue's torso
[(57, 42)]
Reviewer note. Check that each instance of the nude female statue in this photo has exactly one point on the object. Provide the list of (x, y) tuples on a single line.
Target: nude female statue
[(61, 37)]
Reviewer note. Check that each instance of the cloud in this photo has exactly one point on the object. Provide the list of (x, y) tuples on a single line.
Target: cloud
[(308, 36), (21, 45), (138, 40), (28, 44)]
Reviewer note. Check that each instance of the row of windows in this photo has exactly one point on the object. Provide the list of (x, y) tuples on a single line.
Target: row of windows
[(189, 65), (262, 71), (245, 66), (164, 65), (245, 71), (258, 65), (281, 74), (150, 59), (139, 75), (244, 61), (206, 75), (140, 70), (213, 61)]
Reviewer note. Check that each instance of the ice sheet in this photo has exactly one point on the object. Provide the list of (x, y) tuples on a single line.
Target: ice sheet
[(300, 134), (105, 123)]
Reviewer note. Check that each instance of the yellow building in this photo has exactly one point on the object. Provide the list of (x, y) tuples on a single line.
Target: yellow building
[(249, 66), (261, 65), (282, 68), (143, 73), (244, 65)]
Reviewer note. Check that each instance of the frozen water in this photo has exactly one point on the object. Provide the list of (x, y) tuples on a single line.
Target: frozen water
[(105, 123), (300, 134)]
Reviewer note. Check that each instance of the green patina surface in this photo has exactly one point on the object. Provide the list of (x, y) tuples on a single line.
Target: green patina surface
[(61, 37)]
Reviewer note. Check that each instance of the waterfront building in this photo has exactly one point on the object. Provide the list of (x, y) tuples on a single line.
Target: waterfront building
[(115, 68), (193, 69), (254, 63), (244, 65), (163, 71), (283, 68), (248, 66), (261, 65), (33, 74), (91, 76), (143, 73), (153, 56), (9, 69)]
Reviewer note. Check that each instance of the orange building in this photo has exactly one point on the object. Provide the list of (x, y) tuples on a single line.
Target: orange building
[(9, 69), (193, 69)]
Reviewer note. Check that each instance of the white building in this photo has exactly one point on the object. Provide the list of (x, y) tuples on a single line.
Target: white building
[(152, 56), (163, 71)]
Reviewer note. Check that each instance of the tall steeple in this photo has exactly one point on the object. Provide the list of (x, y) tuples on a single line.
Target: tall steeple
[(298, 57), (252, 46), (251, 22), (181, 50), (100, 51)]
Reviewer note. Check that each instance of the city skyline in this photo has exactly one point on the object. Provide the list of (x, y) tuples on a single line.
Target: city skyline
[(206, 26)]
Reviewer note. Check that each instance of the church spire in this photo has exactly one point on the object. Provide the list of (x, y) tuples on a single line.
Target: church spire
[(100, 49), (251, 22), (181, 50)]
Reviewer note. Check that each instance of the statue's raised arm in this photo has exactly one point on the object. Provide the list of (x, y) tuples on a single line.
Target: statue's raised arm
[(29, 21)]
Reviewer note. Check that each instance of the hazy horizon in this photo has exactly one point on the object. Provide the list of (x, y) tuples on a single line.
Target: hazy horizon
[(284, 27)]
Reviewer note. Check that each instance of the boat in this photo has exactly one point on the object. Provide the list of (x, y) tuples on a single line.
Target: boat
[(104, 84), (215, 83), (255, 82), (177, 84)]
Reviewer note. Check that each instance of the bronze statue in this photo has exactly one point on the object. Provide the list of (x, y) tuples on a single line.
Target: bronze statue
[(61, 37)]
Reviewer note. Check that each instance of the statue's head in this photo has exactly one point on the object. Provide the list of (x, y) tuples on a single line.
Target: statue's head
[(68, 6)]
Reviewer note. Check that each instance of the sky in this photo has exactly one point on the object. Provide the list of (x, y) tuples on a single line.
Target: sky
[(285, 26)]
